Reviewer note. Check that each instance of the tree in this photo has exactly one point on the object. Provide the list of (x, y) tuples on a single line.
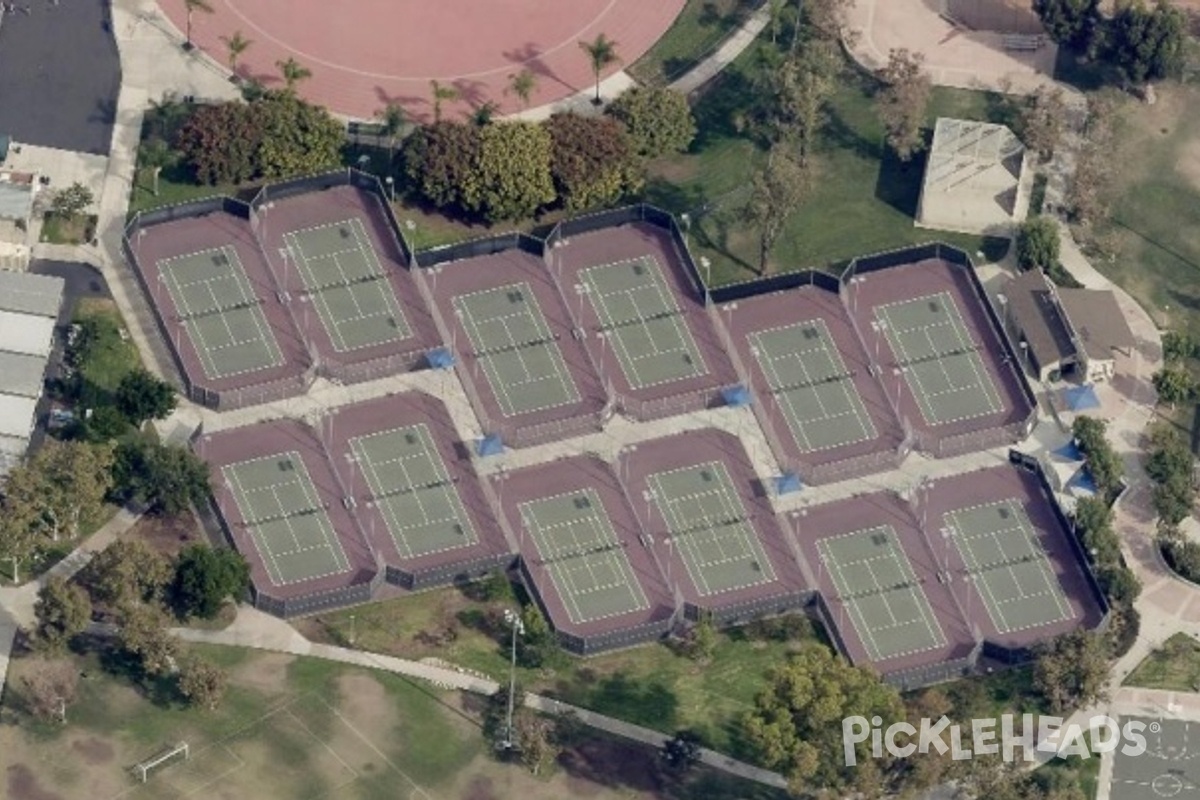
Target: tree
[(440, 161), (1121, 585), (221, 142), (522, 85), (235, 46), (144, 634), (1148, 44), (796, 93), (391, 122), (904, 101), (601, 53), (298, 138), (659, 121), (72, 201), (1174, 385), (1093, 523), (682, 752), (50, 689), (513, 172), (775, 10), (141, 396), (825, 20), (18, 538), (592, 160), (1069, 22), (1102, 462), (441, 94), (165, 478), (191, 7), (63, 611), (704, 640), (292, 72), (205, 578), (155, 155), (127, 572), (203, 683), (536, 740), (1072, 670), (776, 191), (1040, 122), (484, 113), (62, 487), (1037, 243), (796, 724)]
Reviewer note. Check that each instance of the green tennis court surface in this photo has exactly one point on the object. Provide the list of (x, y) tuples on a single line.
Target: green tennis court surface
[(709, 526), (812, 385), (876, 582), (576, 543), (286, 519), (639, 315), (221, 312), (518, 352), (1004, 558), (940, 360), (347, 285), (413, 491)]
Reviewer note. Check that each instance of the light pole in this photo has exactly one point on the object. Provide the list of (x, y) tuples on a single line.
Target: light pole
[(391, 184), (518, 628), (707, 264)]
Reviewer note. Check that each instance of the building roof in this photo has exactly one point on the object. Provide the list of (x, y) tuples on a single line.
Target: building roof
[(22, 373), (1041, 320), (26, 333), (30, 294), (16, 200), (16, 416), (1097, 320), (972, 175)]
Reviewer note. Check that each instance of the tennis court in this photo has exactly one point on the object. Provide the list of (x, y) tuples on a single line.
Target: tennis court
[(347, 285), (1003, 556), (941, 362), (413, 491), (513, 342), (877, 585), (577, 545), (709, 526), (814, 389), (220, 311), (642, 320), (284, 515)]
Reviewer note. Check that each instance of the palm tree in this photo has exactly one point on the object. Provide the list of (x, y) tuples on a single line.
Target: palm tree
[(484, 114), (391, 121), (236, 45), (441, 94), (192, 6), (293, 72), (155, 155), (522, 85), (602, 52)]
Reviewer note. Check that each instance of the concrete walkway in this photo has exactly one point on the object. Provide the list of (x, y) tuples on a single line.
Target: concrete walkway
[(733, 46), (257, 630)]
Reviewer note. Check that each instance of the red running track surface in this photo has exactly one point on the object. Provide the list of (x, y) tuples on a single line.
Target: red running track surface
[(366, 53)]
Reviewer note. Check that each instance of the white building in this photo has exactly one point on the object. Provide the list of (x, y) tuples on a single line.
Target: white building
[(29, 306)]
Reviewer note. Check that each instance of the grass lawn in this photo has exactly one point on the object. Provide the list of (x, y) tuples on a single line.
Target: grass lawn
[(174, 186), (864, 199), (113, 354), (649, 685), (296, 727), (68, 230), (697, 31), (1175, 667)]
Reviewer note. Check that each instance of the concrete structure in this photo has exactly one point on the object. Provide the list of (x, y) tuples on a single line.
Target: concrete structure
[(1003, 16), (1101, 330), (29, 307), (975, 179), (17, 190), (1034, 319)]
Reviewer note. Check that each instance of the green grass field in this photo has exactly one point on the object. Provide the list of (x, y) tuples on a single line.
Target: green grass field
[(1174, 667), (111, 357), (697, 31)]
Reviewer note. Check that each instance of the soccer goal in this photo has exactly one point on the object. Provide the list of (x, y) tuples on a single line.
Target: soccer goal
[(143, 769)]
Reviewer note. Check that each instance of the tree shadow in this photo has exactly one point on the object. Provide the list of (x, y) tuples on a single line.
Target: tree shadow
[(386, 99), (718, 106), (471, 92), (644, 702), (899, 182), (529, 56)]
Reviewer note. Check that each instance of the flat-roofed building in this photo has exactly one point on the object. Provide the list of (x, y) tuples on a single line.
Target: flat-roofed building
[(1101, 330), (29, 306)]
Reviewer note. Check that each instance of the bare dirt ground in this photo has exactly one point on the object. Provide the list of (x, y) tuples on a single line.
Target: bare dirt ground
[(167, 535)]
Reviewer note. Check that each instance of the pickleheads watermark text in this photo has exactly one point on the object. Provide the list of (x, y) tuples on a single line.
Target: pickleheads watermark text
[(995, 736)]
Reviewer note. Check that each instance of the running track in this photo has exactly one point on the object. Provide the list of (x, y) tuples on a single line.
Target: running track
[(366, 53)]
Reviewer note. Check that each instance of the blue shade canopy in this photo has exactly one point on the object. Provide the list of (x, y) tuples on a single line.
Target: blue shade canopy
[(1080, 398), (490, 445), (1082, 482), (440, 358), (787, 483), (1069, 451), (736, 396)]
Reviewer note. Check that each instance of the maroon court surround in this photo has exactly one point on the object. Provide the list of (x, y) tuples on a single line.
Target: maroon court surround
[(277, 438), (576, 474), (626, 243)]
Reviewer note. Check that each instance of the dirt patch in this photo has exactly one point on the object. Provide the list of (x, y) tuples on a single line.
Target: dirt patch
[(480, 788), (1188, 163), (93, 751), (23, 785), (597, 764), (364, 702), (167, 535), (267, 673)]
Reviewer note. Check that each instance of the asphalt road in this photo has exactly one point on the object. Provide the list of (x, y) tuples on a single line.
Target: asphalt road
[(59, 74)]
